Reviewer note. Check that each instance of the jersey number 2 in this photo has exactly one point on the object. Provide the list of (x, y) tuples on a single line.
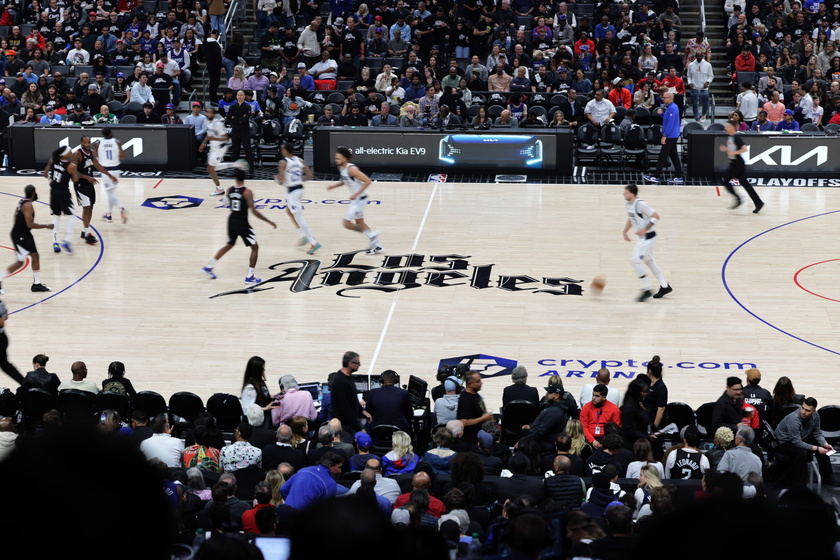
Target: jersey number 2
[(235, 205)]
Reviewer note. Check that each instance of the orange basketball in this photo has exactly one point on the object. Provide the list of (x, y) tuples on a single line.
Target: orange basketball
[(293, 106), (597, 284)]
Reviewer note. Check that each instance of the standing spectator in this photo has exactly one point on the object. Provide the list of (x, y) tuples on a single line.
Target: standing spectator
[(697, 48), (670, 137), (239, 120), (472, 411), (345, 404), (309, 45), (700, 76), (270, 43), (747, 103)]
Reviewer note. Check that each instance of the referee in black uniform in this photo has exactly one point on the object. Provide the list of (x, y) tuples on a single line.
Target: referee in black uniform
[(239, 120), (737, 169)]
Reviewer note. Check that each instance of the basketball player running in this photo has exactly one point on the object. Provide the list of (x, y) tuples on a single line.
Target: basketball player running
[(737, 169), (59, 171), (642, 217), (85, 160), (109, 153), (219, 141), (241, 200), (24, 243), (358, 182), (292, 172)]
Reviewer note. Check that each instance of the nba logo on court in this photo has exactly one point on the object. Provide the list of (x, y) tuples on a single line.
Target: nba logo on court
[(735, 182), (437, 178)]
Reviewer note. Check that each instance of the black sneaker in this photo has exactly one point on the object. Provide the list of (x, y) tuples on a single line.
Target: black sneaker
[(644, 295), (758, 207), (663, 291), (736, 205), (90, 239), (82, 235), (39, 288)]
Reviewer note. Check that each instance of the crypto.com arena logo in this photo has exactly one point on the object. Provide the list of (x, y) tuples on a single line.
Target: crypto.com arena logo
[(404, 272)]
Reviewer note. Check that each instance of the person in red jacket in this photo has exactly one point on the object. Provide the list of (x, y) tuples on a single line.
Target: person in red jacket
[(649, 79), (619, 95), (673, 81), (596, 414), (584, 40), (262, 493)]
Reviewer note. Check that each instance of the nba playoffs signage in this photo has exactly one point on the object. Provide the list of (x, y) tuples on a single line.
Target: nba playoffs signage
[(629, 368), (498, 150), (349, 275), (777, 155)]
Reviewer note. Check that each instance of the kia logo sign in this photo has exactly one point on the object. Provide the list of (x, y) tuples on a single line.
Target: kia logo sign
[(782, 155)]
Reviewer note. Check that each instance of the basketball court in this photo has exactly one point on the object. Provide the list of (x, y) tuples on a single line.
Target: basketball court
[(497, 270)]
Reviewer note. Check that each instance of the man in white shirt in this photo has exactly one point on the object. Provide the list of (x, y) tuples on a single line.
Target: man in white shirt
[(807, 104), (309, 45), (747, 103), (141, 92), (602, 378), (385, 487), (700, 76), (325, 69), (599, 110), (79, 370), (77, 55), (162, 446)]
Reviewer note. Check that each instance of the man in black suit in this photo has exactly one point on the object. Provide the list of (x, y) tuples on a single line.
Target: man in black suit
[(573, 109), (239, 120), (519, 483), (520, 391), (282, 451), (40, 378), (390, 405)]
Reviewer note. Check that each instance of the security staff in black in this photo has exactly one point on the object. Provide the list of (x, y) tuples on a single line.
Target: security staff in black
[(737, 169), (239, 120)]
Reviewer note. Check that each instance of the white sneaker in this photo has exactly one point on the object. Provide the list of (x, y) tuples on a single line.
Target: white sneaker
[(218, 192)]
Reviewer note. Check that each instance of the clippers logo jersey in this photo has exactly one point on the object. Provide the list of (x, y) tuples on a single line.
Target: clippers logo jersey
[(639, 212), (293, 176), (349, 180), (109, 152), (86, 163)]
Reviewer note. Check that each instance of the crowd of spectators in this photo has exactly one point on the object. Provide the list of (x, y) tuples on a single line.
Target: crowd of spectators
[(597, 460)]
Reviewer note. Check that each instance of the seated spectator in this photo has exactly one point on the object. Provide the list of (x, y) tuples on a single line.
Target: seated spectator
[(363, 444), (788, 123), (620, 540), (79, 380), (281, 451), (241, 454), (493, 465), (39, 377), (355, 116), (313, 484), (117, 382), (598, 110), (170, 117), (401, 459), (385, 487), (520, 83), (326, 444), (410, 120), (740, 459), (50, 117), (201, 455), (440, 457), (148, 116), (643, 455), (506, 119), (162, 446), (294, 402), (105, 116), (329, 118), (567, 490)]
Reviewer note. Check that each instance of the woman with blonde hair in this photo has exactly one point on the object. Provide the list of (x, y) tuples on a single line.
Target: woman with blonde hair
[(648, 479), (276, 479), (401, 459), (237, 81), (579, 445)]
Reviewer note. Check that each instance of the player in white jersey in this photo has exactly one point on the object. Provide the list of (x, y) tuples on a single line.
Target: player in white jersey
[(291, 173), (109, 153), (358, 183), (642, 217), (217, 136)]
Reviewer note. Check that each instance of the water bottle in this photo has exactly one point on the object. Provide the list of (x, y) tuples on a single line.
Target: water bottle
[(198, 540), (474, 550)]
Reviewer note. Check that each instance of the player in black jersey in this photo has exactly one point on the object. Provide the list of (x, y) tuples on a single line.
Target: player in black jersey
[(23, 241), (59, 171), (86, 161), (241, 201)]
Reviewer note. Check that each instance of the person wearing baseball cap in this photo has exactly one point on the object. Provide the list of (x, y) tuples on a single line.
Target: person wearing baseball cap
[(170, 117), (788, 123), (552, 419), (49, 116)]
